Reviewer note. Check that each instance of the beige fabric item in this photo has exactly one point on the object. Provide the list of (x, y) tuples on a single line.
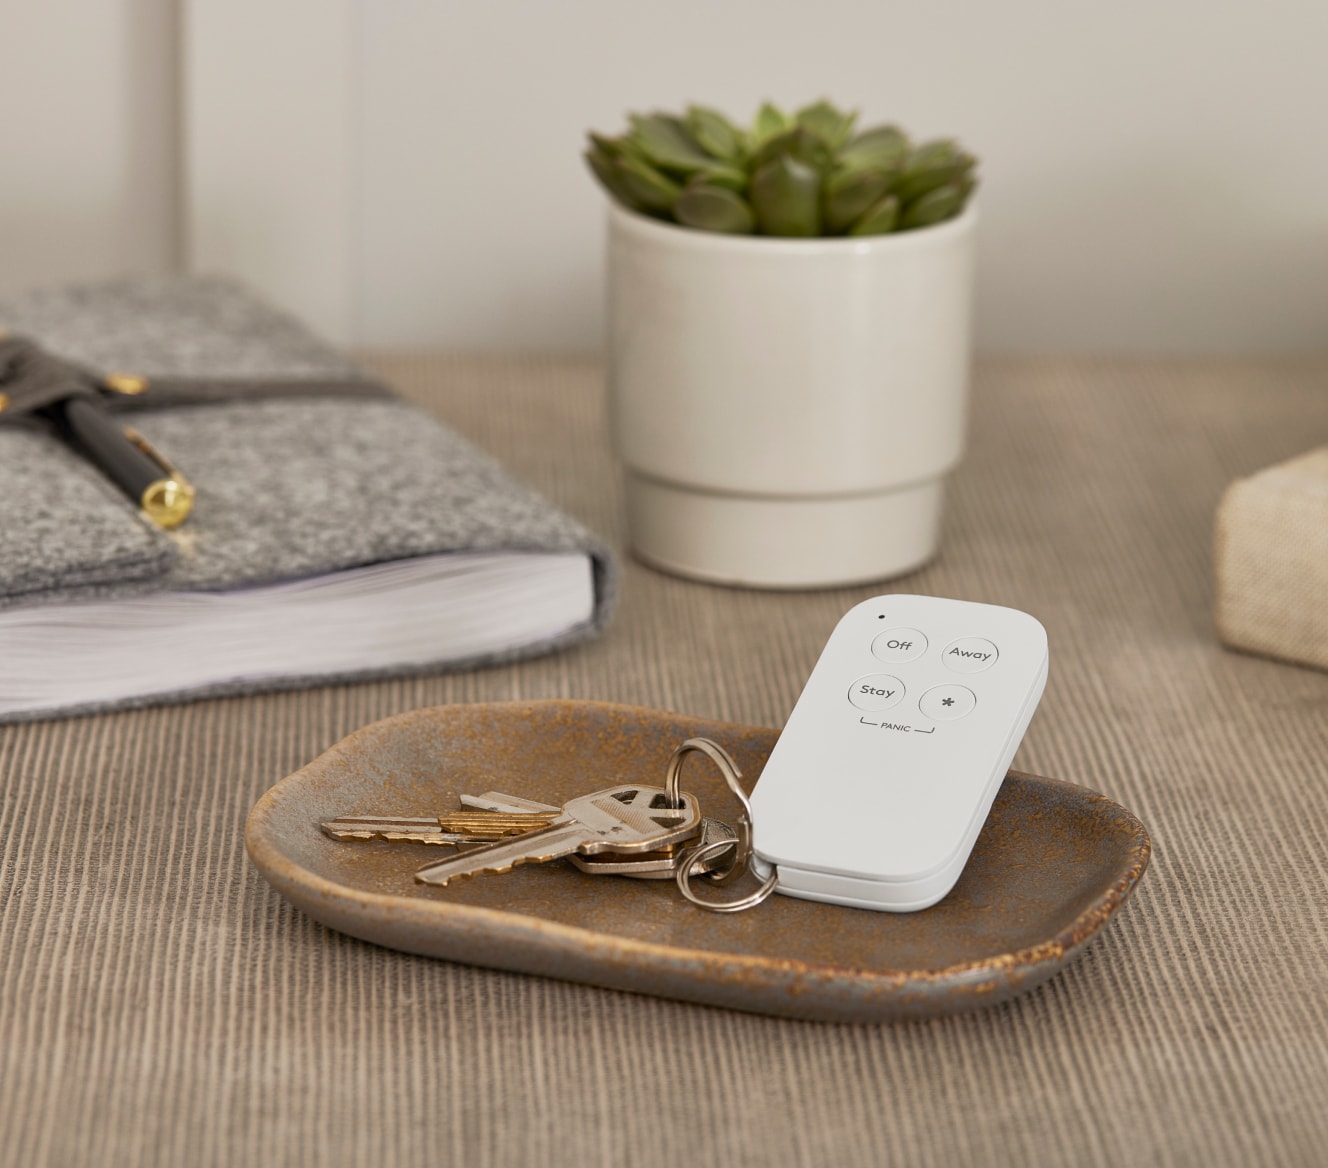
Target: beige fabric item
[(160, 1004), (1271, 561)]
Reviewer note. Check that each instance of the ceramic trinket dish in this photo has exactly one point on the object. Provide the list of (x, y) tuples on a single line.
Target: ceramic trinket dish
[(1052, 866)]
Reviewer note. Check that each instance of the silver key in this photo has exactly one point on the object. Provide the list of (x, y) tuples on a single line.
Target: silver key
[(511, 804), (657, 865), (663, 864), (631, 818)]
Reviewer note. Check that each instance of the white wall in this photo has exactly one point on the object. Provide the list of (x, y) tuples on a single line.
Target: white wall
[(87, 140), (407, 172), (1155, 171), (270, 151)]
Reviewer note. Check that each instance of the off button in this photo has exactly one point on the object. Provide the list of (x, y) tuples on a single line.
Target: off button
[(899, 645), (876, 692)]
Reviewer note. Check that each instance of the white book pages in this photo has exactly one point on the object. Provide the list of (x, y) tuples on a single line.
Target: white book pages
[(431, 610)]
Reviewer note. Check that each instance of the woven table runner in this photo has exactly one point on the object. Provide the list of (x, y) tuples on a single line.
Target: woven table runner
[(160, 1004)]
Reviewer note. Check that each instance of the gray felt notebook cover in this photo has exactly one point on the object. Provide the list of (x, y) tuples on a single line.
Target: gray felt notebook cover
[(289, 485)]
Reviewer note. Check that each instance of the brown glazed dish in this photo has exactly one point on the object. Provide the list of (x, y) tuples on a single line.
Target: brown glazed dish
[(1052, 865)]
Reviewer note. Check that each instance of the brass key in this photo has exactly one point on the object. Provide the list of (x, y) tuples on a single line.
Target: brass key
[(466, 826)]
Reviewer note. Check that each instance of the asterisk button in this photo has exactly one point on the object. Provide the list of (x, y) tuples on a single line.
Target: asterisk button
[(946, 703)]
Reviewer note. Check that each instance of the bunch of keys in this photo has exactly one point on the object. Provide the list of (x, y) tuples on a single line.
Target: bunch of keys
[(635, 830)]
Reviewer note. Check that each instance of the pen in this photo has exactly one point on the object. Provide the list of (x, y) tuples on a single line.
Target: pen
[(125, 457), (37, 382)]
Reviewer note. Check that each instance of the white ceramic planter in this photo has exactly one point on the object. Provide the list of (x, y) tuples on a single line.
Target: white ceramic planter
[(787, 410)]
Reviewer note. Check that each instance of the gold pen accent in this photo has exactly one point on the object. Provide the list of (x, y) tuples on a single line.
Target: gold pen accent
[(129, 384), (166, 501)]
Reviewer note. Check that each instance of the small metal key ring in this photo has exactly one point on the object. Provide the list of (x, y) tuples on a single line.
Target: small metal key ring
[(732, 776), (716, 754), (743, 859), (684, 878)]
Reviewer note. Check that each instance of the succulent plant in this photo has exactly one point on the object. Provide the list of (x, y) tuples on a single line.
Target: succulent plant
[(802, 174)]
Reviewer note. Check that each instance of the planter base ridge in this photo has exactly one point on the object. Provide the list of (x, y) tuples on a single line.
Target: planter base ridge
[(764, 542)]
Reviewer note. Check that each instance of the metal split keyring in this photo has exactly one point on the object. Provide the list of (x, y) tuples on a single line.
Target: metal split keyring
[(745, 858)]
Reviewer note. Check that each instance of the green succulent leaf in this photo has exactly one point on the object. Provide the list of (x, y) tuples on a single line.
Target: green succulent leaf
[(930, 167), (934, 207), (605, 170), (716, 135), (711, 208), (880, 148), (880, 219), (801, 143), (785, 193), (718, 174), (850, 194), (628, 149), (770, 120), (937, 152), (646, 187), (833, 125), (610, 147), (668, 144), (845, 171)]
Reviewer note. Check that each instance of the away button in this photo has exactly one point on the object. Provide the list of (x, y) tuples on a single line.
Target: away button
[(969, 655)]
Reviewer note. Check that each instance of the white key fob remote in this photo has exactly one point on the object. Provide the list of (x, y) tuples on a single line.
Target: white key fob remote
[(882, 779)]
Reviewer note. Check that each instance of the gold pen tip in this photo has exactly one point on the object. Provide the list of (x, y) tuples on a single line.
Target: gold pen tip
[(167, 502)]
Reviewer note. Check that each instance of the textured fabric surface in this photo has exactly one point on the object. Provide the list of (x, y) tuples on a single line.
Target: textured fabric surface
[(63, 526), (292, 488), (159, 1004), (172, 326), (287, 488), (1271, 561)]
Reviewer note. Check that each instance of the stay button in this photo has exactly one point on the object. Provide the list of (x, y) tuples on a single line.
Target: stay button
[(876, 692)]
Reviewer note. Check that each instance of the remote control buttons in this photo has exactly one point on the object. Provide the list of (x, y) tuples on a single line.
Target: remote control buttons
[(969, 655), (876, 692), (945, 703), (899, 645)]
